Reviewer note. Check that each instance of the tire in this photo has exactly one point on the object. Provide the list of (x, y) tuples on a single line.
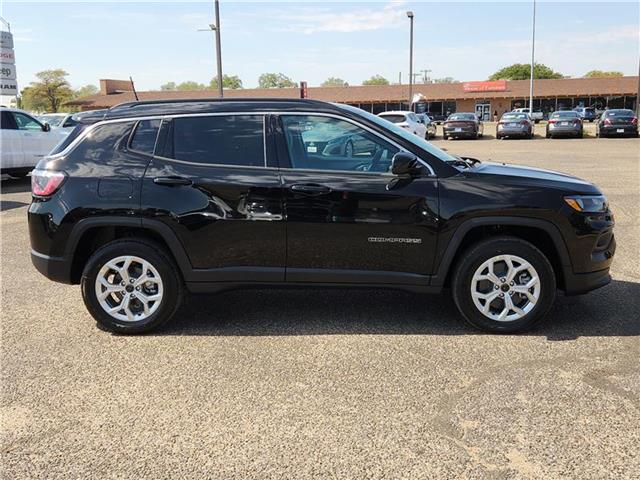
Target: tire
[(170, 286), (445, 137), (472, 261), (548, 135)]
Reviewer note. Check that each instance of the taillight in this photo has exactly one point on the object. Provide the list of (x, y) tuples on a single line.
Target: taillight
[(551, 122), (634, 121), (607, 121), (577, 121), (524, 122), (46, 182)]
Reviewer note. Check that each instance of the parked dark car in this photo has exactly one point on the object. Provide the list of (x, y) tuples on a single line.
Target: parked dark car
[(514, 124), (618, 122), (565, 123), (587, 114), (431, 125), (463, 125), (156, 198)]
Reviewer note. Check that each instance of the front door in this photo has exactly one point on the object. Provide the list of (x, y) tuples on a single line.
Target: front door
[(36, 143), (343, 224), (210, 182), (483, 111), (11, 140)]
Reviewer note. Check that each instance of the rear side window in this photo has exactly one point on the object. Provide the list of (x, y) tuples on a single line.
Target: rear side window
[(144, 137), (100, 144), (221, 140)]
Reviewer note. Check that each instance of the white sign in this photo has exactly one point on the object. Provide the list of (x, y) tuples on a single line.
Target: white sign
[(6, 40), (8, 87), (7, 55), (7, 71)]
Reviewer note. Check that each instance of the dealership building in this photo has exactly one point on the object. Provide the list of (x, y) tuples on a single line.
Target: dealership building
[(438, 99)]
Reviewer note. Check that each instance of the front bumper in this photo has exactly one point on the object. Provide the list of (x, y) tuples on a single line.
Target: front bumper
[(57, 269), (579, 283)]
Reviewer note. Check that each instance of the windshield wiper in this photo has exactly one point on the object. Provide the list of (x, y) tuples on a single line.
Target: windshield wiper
[(464, 162)]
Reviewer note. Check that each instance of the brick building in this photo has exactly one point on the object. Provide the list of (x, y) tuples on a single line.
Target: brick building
[(438, 99)]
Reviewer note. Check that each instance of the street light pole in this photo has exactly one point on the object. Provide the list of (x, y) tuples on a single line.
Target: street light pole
[(533, 49), (410, 15), (218, 48)]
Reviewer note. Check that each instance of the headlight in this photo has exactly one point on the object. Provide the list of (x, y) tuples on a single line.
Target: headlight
[(588, 203)]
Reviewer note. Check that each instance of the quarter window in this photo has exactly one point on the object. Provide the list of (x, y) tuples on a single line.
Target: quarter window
[(25, 122), (224, 140), (144, 138), (326, 143)]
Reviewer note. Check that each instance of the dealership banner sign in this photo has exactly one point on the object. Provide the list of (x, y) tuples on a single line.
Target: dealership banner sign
[(8, 83), (489, 86)]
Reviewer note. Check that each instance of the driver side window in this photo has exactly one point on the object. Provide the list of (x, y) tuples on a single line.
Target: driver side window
[(326, 143), (26, 123)]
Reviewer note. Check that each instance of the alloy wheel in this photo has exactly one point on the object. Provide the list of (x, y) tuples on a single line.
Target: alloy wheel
[(129, 288), (505, 288)]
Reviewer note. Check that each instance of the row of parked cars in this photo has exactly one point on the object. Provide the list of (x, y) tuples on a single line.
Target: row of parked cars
[(519, 123)]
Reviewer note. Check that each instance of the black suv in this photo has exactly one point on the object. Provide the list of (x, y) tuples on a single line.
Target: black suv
[(149, 198)]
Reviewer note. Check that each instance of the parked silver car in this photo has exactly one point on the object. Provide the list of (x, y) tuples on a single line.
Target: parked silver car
[(565, 123), (515, 124)]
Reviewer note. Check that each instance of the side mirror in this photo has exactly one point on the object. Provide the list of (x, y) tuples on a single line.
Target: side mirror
[(405, 163), (46, 127)]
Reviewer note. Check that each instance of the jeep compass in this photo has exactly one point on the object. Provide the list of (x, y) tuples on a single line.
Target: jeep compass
[(148, 200)]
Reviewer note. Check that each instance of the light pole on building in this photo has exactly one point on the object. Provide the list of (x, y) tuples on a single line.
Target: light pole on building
[(533, 50), (410, 15)]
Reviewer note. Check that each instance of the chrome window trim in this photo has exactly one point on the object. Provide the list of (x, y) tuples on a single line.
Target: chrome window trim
[(264, 114), (217, 165)]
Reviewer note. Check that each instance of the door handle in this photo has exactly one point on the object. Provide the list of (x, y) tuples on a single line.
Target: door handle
[(172, 181), (309, 188)]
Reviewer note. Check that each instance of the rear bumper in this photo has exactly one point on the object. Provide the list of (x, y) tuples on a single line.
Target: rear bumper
[(613, 130), (57, 269)]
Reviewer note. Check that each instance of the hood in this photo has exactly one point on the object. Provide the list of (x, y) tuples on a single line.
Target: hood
[(536, 177)]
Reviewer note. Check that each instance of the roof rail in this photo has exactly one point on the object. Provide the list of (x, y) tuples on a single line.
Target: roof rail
[(214, 100)]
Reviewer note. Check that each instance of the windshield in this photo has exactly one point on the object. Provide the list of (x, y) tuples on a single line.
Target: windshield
[(462, 116), (401, 132), (564, 115), (55, 120), (515, 116), (619, 113)]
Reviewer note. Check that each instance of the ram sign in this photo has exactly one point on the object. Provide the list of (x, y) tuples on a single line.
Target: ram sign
[(8, 84)]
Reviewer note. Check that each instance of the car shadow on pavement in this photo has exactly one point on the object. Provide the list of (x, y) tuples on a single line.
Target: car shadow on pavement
[(15, 185), (9, 205), (610, 311)]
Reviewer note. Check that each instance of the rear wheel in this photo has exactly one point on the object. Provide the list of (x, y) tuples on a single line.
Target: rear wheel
[(131, 286), (503, 284)]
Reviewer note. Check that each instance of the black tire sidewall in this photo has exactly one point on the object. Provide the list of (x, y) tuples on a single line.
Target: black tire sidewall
[(478, 254), (171, 281)]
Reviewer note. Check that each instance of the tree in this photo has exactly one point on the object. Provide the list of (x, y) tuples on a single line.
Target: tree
[(603, 73), (334, 82), (522, 71), (231, 82), (85, 91), (376, 80), (169, 86), (190, 85), (275, 80), (50, 91)]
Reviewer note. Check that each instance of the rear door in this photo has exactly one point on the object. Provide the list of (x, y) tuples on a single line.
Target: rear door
[(211, 182), (36, 143), (343, 224), (11, 141)]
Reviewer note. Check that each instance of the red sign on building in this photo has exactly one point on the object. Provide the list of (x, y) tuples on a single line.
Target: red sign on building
[(490, 86)]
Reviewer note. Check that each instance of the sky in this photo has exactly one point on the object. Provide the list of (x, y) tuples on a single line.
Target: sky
[(158, 42)]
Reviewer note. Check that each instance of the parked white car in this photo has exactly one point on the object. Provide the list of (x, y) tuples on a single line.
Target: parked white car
[(58, 120), (24, 141), (536, 116), (407, 120)]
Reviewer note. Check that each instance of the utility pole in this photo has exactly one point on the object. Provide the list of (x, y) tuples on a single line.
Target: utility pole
[(533, 49), (410, 15), (218, 48), (215, 28)]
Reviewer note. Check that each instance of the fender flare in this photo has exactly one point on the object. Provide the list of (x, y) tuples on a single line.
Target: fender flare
[(164, 231), (453, 246)]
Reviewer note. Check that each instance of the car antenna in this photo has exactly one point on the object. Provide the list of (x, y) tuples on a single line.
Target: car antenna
[(135, 94)]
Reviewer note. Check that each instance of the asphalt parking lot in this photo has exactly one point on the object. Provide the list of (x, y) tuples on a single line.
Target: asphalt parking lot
[(343, 384)]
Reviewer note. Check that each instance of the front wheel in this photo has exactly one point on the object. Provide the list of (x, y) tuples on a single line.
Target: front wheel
[(131, 286), (503, 284)]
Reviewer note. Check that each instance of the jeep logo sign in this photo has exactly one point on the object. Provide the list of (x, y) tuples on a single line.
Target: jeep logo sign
[(8, 84)]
